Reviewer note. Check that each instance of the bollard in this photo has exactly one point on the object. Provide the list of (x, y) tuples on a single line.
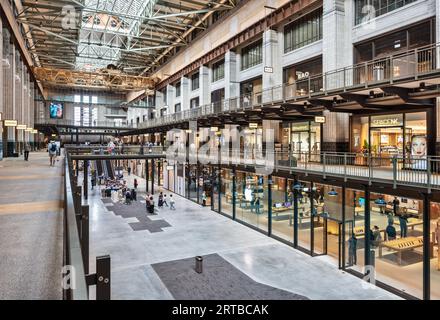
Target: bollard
[(199, 264)]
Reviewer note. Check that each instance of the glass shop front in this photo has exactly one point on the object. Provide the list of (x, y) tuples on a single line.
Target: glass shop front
[(399, 134)]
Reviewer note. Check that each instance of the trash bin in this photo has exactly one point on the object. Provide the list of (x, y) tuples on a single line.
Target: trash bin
[(199, 264)]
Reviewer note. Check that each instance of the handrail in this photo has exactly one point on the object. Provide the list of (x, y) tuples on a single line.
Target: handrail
[(73, 251)]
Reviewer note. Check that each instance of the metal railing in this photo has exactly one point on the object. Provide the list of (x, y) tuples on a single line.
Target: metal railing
[(92, 124), (395, 170), (77, 278), (411, 64)]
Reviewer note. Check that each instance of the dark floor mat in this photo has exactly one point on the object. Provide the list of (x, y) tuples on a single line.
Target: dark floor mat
[(220, 280), (138, 210)]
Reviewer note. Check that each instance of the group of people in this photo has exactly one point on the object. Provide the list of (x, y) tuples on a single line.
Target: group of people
[(375, 235), (162, 201)]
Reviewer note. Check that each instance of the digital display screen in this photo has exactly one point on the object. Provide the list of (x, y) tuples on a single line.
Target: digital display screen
[(56, 110)]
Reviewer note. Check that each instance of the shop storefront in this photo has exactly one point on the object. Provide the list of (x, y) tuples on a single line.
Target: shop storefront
[(304, 77), (399, 134), (303, 137)]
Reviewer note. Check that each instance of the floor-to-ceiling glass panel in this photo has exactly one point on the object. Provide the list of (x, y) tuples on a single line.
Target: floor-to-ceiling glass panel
[(435, 254), (252, 197), (282, 209), (328, 220), (397, 242), (205, 186), (354, 229), (192, 176), (226, 192), (304, 215), (215, 174)]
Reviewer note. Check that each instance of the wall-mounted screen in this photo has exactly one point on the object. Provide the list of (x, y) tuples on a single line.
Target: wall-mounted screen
[(56, 110)]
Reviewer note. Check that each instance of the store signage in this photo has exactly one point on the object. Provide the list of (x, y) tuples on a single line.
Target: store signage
[(253, 125), (29, 129), (302, 75), (320, 119), (268, 69), (34, 131), (11, 123), (388, 121), (169, 168), (214, 129), (21, 127)]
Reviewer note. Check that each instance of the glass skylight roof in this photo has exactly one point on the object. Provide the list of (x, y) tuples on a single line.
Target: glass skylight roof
[(106, 25)]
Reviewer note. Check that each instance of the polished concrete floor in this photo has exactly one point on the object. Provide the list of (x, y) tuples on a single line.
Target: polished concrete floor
[(30, 228), (199, 231)]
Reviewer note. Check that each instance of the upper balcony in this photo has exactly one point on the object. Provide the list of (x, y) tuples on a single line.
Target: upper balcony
[(415, 71)]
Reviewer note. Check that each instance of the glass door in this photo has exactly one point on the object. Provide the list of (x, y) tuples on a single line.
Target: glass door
[(386, 143)]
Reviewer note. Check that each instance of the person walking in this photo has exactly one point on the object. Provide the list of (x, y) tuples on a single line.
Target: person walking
[(403, 221), (204, 198), (165, 200), (352, 250), (152, 205), (129, 170), (172, 203), (135, 183), (52, 149), (160, 201), (27, 148)]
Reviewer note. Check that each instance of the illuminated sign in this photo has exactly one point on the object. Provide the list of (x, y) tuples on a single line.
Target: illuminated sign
[(387, 121), (21, 127), (214, 129), (320, 119), (29, 129), (11, 123), (253, 125), (169, 168), (34, 131)]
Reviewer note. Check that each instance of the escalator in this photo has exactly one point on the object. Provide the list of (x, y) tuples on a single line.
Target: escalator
[(109, 167), (99, 167)]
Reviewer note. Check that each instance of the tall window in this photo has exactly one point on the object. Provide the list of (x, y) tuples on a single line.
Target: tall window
[(94, 116), (178, 89), (252, 55), (218, 70), (178, 108), (94, 99), (86, 99), (194, 103), (86, 116), (366, 10), (77, 115), (77, 98), (195, 83), (303, 31)]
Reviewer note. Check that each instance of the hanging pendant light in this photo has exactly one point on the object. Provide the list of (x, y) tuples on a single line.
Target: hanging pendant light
[(332, 193)]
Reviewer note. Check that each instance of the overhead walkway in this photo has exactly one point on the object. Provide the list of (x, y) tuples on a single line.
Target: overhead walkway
[(31, 228)]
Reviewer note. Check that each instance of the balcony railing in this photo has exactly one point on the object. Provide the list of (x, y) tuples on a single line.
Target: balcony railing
[(411, 64), (92, 124), (395, 170)]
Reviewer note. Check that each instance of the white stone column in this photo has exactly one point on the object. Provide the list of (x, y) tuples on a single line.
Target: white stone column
[(205, 92), (171, 95), (184, 92), (272, 61), (337, 53), (232, 87)]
